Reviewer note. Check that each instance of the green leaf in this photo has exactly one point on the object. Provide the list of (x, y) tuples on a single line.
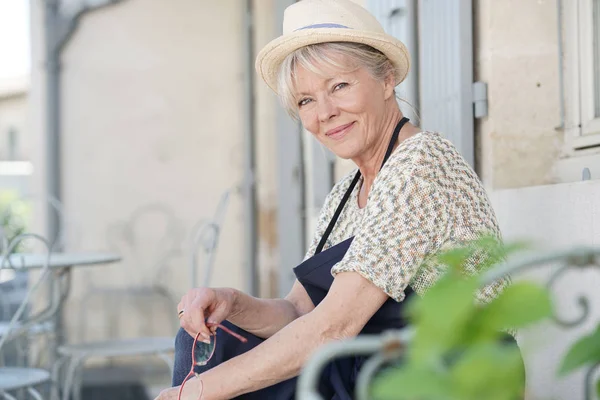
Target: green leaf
[(519, 305), (584, 351), (489, 371), (598, 388), (447, 300), (409, 383), (455, 353), (441, 316)]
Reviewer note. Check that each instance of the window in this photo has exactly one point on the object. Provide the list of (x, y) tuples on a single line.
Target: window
[(596, 64), (582, 72), (596, 46)]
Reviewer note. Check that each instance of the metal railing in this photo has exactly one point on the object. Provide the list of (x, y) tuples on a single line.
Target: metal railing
[(390, 345)]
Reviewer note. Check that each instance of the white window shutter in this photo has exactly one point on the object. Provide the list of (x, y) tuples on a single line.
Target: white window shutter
[(399, 19), (290, 185), (446, 71)]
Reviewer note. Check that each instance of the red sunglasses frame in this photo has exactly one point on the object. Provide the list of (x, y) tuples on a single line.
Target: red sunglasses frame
[(194, 363)]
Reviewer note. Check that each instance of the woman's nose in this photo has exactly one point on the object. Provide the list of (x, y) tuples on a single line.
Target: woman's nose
[(326, 109)]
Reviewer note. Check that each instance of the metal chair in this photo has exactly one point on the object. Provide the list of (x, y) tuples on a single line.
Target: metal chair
[(146, 261), (147, 270), (203, 239), (21, 378), (14, 287)]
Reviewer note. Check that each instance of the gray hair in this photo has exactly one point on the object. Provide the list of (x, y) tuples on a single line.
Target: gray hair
[(319, 57)]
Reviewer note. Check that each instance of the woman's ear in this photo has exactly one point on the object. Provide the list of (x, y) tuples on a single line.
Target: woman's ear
[(389, 86)]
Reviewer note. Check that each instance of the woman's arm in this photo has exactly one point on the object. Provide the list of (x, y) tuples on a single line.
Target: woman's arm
[(265, 317), (350, 303)]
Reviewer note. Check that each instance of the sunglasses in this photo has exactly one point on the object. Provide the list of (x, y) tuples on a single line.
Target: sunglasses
[(203, 352)]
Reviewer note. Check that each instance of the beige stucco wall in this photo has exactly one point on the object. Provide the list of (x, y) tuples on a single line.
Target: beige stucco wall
[(149, 117), (521, 156), (516, 53), (153, 112), (153, 100)]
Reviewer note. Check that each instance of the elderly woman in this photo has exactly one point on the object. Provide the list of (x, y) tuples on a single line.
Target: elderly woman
[(411, 196)]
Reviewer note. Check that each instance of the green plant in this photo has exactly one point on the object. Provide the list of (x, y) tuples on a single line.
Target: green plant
[(586, 351), (13, 217), (458, 351)]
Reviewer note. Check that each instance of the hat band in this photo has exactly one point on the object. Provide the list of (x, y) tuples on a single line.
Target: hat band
[(315, 26)]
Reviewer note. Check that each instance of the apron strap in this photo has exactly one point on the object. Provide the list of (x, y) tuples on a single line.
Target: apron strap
[(338, 211)]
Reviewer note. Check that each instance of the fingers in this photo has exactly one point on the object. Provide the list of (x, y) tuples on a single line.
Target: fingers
[(197, 318), (194, 305), (218, 314), (180, 307)]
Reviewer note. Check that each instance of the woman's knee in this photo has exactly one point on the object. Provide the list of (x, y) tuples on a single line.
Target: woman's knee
[(183, 356), (183, 340)]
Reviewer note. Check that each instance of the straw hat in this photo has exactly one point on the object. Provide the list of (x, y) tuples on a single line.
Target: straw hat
[(319, 21)]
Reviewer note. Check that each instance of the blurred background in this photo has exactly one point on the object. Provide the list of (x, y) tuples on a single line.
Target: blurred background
[(146, 122)]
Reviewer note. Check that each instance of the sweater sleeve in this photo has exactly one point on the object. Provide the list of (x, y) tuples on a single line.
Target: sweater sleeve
[(405, 221)]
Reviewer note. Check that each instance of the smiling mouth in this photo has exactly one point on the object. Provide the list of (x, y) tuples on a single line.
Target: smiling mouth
[(339, 131)]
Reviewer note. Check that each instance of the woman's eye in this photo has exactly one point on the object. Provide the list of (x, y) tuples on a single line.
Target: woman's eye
[(340, 86), (303, 102)]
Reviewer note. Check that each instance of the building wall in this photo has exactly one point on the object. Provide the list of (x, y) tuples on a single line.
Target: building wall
[(153, 113), (555, 218), (520, 143), (516, 54)]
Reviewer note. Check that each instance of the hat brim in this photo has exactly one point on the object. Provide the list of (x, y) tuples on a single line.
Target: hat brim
[(269, 59)]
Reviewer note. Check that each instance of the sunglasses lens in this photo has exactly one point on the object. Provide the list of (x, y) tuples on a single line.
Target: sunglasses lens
[(204, 351)]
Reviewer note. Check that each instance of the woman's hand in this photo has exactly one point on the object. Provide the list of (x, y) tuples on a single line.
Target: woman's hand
[(191, 391), (171, 394), (205, 305)]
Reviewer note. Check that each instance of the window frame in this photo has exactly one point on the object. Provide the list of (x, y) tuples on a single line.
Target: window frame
[(582, 128)]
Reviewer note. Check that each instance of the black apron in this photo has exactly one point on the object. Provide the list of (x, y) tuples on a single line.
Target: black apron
[(339, 377)]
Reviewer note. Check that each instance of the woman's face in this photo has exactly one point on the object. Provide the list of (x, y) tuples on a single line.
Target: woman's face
[(345, 111)]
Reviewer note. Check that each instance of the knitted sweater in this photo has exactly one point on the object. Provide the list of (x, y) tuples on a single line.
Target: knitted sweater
[(424, 200)]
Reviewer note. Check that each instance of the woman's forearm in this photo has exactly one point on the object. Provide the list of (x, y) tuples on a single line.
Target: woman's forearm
[(350, 303), (261, 317), (277, 359)]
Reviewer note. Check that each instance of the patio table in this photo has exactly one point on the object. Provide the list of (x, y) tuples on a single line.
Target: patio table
[(61, 265)]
